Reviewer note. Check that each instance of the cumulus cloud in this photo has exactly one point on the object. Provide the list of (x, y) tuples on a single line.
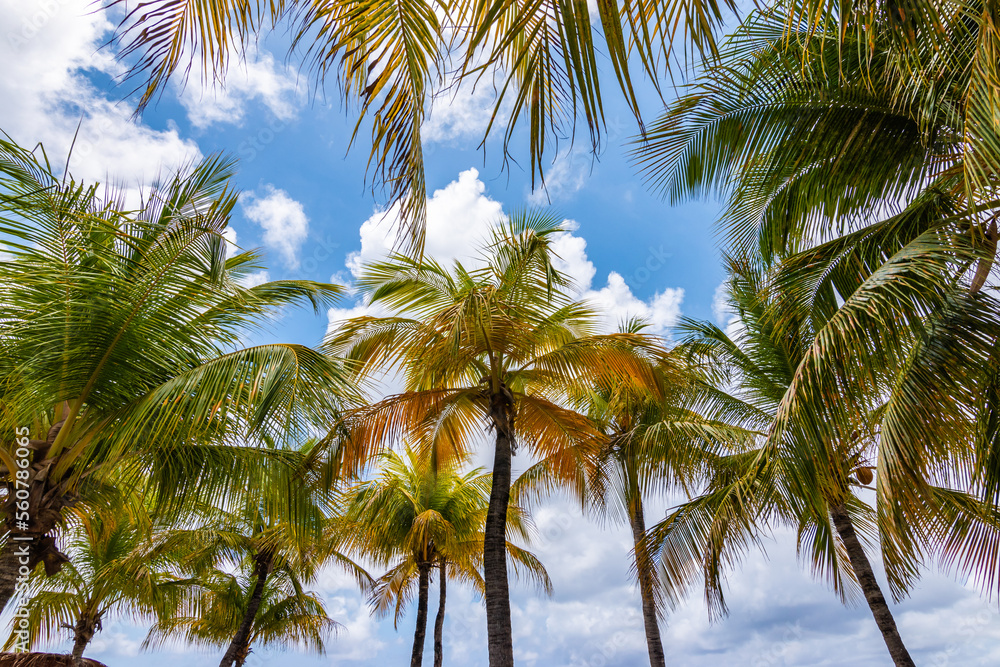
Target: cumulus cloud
[(615, 301), (283, 220), (257, 78), (47, 51), (255, 279), (459, 219)]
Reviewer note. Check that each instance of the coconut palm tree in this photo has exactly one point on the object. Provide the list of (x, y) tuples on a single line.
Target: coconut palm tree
[(487, 348), (421, 514), (277, 537), (284, 614), (867, 158), (829, 129), (114, 571), (120, 349), (795, 476), (392, 58), (654, 440)]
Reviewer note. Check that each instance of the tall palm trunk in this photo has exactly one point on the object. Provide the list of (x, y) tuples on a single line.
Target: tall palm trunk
[(873, 594), (417, 656), (498, 628), (10, 556), (46, 501), (79, 644), (439, 619), (82, 634), (643, 568), (41, 548), (240, 645)]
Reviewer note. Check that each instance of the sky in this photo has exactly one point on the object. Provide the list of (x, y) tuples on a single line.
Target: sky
[(307, 205)]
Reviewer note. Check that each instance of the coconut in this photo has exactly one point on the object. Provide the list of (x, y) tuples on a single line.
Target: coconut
[(865, 475)]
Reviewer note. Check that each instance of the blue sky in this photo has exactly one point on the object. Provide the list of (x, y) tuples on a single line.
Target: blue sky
[(307, 205)]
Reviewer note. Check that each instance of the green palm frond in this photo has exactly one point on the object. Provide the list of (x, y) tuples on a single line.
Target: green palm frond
[(122, 338)]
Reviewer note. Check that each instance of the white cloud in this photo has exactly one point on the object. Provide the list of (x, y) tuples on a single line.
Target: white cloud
[(358, 640), (614, 302), (571, 257), (335, 316), (232, 245), (257, 78), (720, 303), (255, 279), (46, 51), (283, 219), (459, 217), (725, 316)]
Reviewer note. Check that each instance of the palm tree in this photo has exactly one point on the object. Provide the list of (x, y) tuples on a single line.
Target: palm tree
[(277, 536), (867, 158), (796, 476), (492, 347), (284, 614), (114, 572), (653, 440), (422, 514), (390, 58), (120, 349)]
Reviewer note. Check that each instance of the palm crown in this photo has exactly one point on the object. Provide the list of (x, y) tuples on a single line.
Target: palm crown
[(497, 347), (801, 476), (121, 346), (419, 514), (116, 572)]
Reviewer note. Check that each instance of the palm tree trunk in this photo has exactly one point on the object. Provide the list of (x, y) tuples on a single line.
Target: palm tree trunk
[(439, 619), (44, 511), (241, 640), (17, 554), (81, 638), (642, 562), (873, 594), (417, 656), (498, 628), (10, 556)]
